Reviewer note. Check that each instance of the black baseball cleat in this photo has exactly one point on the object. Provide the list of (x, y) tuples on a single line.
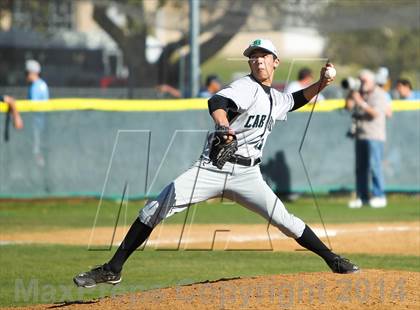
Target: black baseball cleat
[(342, 265), (95, 276)]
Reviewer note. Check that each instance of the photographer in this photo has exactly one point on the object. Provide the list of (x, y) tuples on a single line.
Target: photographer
[(368, 106)]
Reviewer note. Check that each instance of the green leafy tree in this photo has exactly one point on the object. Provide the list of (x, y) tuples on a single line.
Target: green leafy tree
[(373, 34)]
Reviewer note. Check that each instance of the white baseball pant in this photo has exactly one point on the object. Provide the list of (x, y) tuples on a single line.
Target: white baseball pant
[(244, 185)]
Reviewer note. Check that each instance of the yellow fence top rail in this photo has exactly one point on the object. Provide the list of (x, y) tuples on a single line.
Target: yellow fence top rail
[(158, 105)]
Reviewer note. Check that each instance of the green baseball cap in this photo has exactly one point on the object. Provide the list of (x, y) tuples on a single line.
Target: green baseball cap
[(263, 44)]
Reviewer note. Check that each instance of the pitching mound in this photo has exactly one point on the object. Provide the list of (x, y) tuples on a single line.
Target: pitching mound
[(369, 289)]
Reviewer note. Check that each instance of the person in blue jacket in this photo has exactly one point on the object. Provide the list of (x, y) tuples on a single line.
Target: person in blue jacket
[(37, 91)]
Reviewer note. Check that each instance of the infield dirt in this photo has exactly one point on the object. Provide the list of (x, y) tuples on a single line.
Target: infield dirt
[(401, 238)]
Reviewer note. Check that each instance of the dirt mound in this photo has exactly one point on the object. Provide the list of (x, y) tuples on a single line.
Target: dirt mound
[(369, 289)]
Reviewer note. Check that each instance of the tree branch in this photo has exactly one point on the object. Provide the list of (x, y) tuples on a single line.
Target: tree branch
[(100, 17), (224, 27), (229, 24)]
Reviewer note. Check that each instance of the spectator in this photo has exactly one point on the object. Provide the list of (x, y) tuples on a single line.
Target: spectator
[(383, 81), (305, 78), (38, 91), (405, 90), (166, 89), (213, 85), (368, 108), (12, 109)]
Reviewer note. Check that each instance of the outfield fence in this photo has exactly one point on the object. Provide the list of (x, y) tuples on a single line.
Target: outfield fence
[(93, 147)]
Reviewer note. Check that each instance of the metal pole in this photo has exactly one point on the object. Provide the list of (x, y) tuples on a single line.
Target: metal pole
[(194, 47), (181, 75)]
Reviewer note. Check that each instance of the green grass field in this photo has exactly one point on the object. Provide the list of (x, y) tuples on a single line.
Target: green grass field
[(33, 274), (56, 214)]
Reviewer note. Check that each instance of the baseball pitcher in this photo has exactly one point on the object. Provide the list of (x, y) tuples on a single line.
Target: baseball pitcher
[(244, 114)]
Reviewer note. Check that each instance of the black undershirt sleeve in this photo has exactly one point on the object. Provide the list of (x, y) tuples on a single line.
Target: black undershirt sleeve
[(299, 100), (220, 102)]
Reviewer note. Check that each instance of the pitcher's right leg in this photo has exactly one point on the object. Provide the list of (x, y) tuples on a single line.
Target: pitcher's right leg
[(194, 185)]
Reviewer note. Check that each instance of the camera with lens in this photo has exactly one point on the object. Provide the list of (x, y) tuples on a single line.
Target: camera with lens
[(351, 133), (351, 84), (355, 128)]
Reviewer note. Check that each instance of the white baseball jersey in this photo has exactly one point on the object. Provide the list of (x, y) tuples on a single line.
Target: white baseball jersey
[(257, 113), (258, 108)]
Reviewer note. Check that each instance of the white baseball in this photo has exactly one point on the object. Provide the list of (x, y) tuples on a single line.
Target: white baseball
[(330, 73)]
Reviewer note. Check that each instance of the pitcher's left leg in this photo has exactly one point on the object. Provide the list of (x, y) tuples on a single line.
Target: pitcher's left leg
[(251, 191), (254, 194)]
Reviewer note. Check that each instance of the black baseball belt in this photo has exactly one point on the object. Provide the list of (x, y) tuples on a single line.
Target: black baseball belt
[(244, 161)]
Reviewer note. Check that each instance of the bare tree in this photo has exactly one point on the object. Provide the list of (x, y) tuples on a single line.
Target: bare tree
[(223, 21)]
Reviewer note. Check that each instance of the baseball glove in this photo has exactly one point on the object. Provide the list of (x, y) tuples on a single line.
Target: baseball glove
[(224, 144)]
